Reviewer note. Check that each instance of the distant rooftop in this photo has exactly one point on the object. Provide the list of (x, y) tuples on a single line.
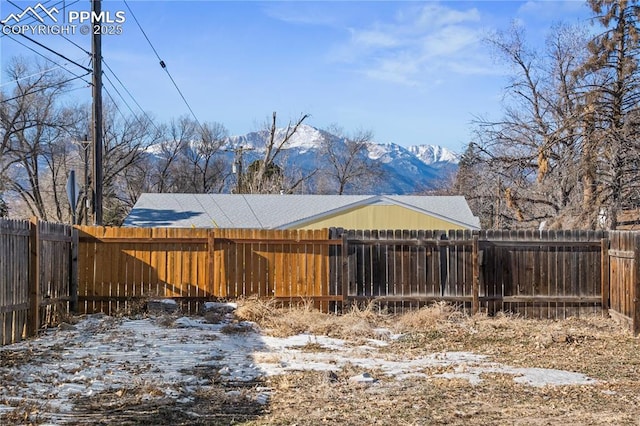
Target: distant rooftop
[(266, 211)]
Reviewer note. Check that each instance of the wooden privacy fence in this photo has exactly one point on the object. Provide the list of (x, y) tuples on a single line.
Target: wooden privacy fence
[(117, 265), (48, 269), (407, 269), (36, 276), (623, 286), (548, 274)]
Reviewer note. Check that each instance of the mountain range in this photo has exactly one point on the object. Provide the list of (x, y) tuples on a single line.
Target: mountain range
[(407, 170)]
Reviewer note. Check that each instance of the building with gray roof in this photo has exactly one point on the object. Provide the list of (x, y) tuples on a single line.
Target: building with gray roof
[(266, 211)]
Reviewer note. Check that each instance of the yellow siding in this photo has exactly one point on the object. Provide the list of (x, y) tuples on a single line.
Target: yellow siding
[(381, 217)]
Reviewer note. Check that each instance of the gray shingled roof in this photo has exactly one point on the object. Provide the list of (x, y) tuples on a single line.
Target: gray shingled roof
[(277, 211)]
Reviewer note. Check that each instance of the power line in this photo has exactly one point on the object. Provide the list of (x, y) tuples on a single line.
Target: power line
[(129, 93), (75, 44), (47, 58), (115, 104), (121, 97), (61, 35), (31, 75), (40, 89), (163, 65), (48, 49), (136, 116), (251, 209), (45, 47), (45, 3)]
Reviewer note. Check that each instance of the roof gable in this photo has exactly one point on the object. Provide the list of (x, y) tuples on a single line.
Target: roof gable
[(265, 211)]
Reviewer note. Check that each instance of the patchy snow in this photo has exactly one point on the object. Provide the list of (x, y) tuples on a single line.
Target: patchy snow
[(102, 353), (224, 306)]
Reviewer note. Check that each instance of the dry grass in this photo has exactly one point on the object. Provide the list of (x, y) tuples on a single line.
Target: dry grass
[(359, 321), (595, 346)]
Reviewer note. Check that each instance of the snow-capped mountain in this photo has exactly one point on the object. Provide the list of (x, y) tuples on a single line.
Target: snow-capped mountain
[(305, 138), (434, 154), (407, 170)]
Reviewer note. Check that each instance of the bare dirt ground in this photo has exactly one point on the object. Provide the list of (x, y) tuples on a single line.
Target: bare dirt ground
[(254, 367)]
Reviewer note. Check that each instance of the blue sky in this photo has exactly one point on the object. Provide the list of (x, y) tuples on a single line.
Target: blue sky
[(411, 72)]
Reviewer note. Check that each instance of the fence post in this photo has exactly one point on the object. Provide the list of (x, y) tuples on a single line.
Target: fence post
[(475, 305), (34, 277), (636, 286), (345, 269), (73, 276), (604, 275), (211, 240)]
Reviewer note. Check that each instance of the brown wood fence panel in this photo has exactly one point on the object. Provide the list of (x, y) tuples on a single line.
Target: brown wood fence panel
[(542, 274), (285, 264), (538, 274), (624, 279), (14, 280), (35, 277), (119, 265), (55, 244), (407, 268)]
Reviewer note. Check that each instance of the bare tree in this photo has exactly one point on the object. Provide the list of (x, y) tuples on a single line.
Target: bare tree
[(265, 175), (35, 138), (168, 174), (188, 159), (476, 181), (125, 141), (204, 169), (532, 155), (349, 166)]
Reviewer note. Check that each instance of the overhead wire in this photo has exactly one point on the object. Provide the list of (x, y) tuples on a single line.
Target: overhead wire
[(163, 65), (51, 60), (47, 49), (42, 45), (252, 211), (43, 3), (39, 90), (31, 75), (62, 35), (146, 115), (121, 97), (68, 60), (209, 214), (115, 104), (86, 69)]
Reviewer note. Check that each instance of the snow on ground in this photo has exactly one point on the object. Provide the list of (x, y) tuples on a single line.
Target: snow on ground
[(169, 355)]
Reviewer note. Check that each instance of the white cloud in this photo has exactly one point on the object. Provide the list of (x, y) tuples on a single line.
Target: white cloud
[(434, 15), (554, 10), (305, 13), (450, 40), (374, 39), (416, 43), (401, 70)]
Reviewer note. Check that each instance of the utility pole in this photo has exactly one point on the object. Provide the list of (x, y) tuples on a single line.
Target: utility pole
[(96, 55), (85, 199), (85, 190)]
